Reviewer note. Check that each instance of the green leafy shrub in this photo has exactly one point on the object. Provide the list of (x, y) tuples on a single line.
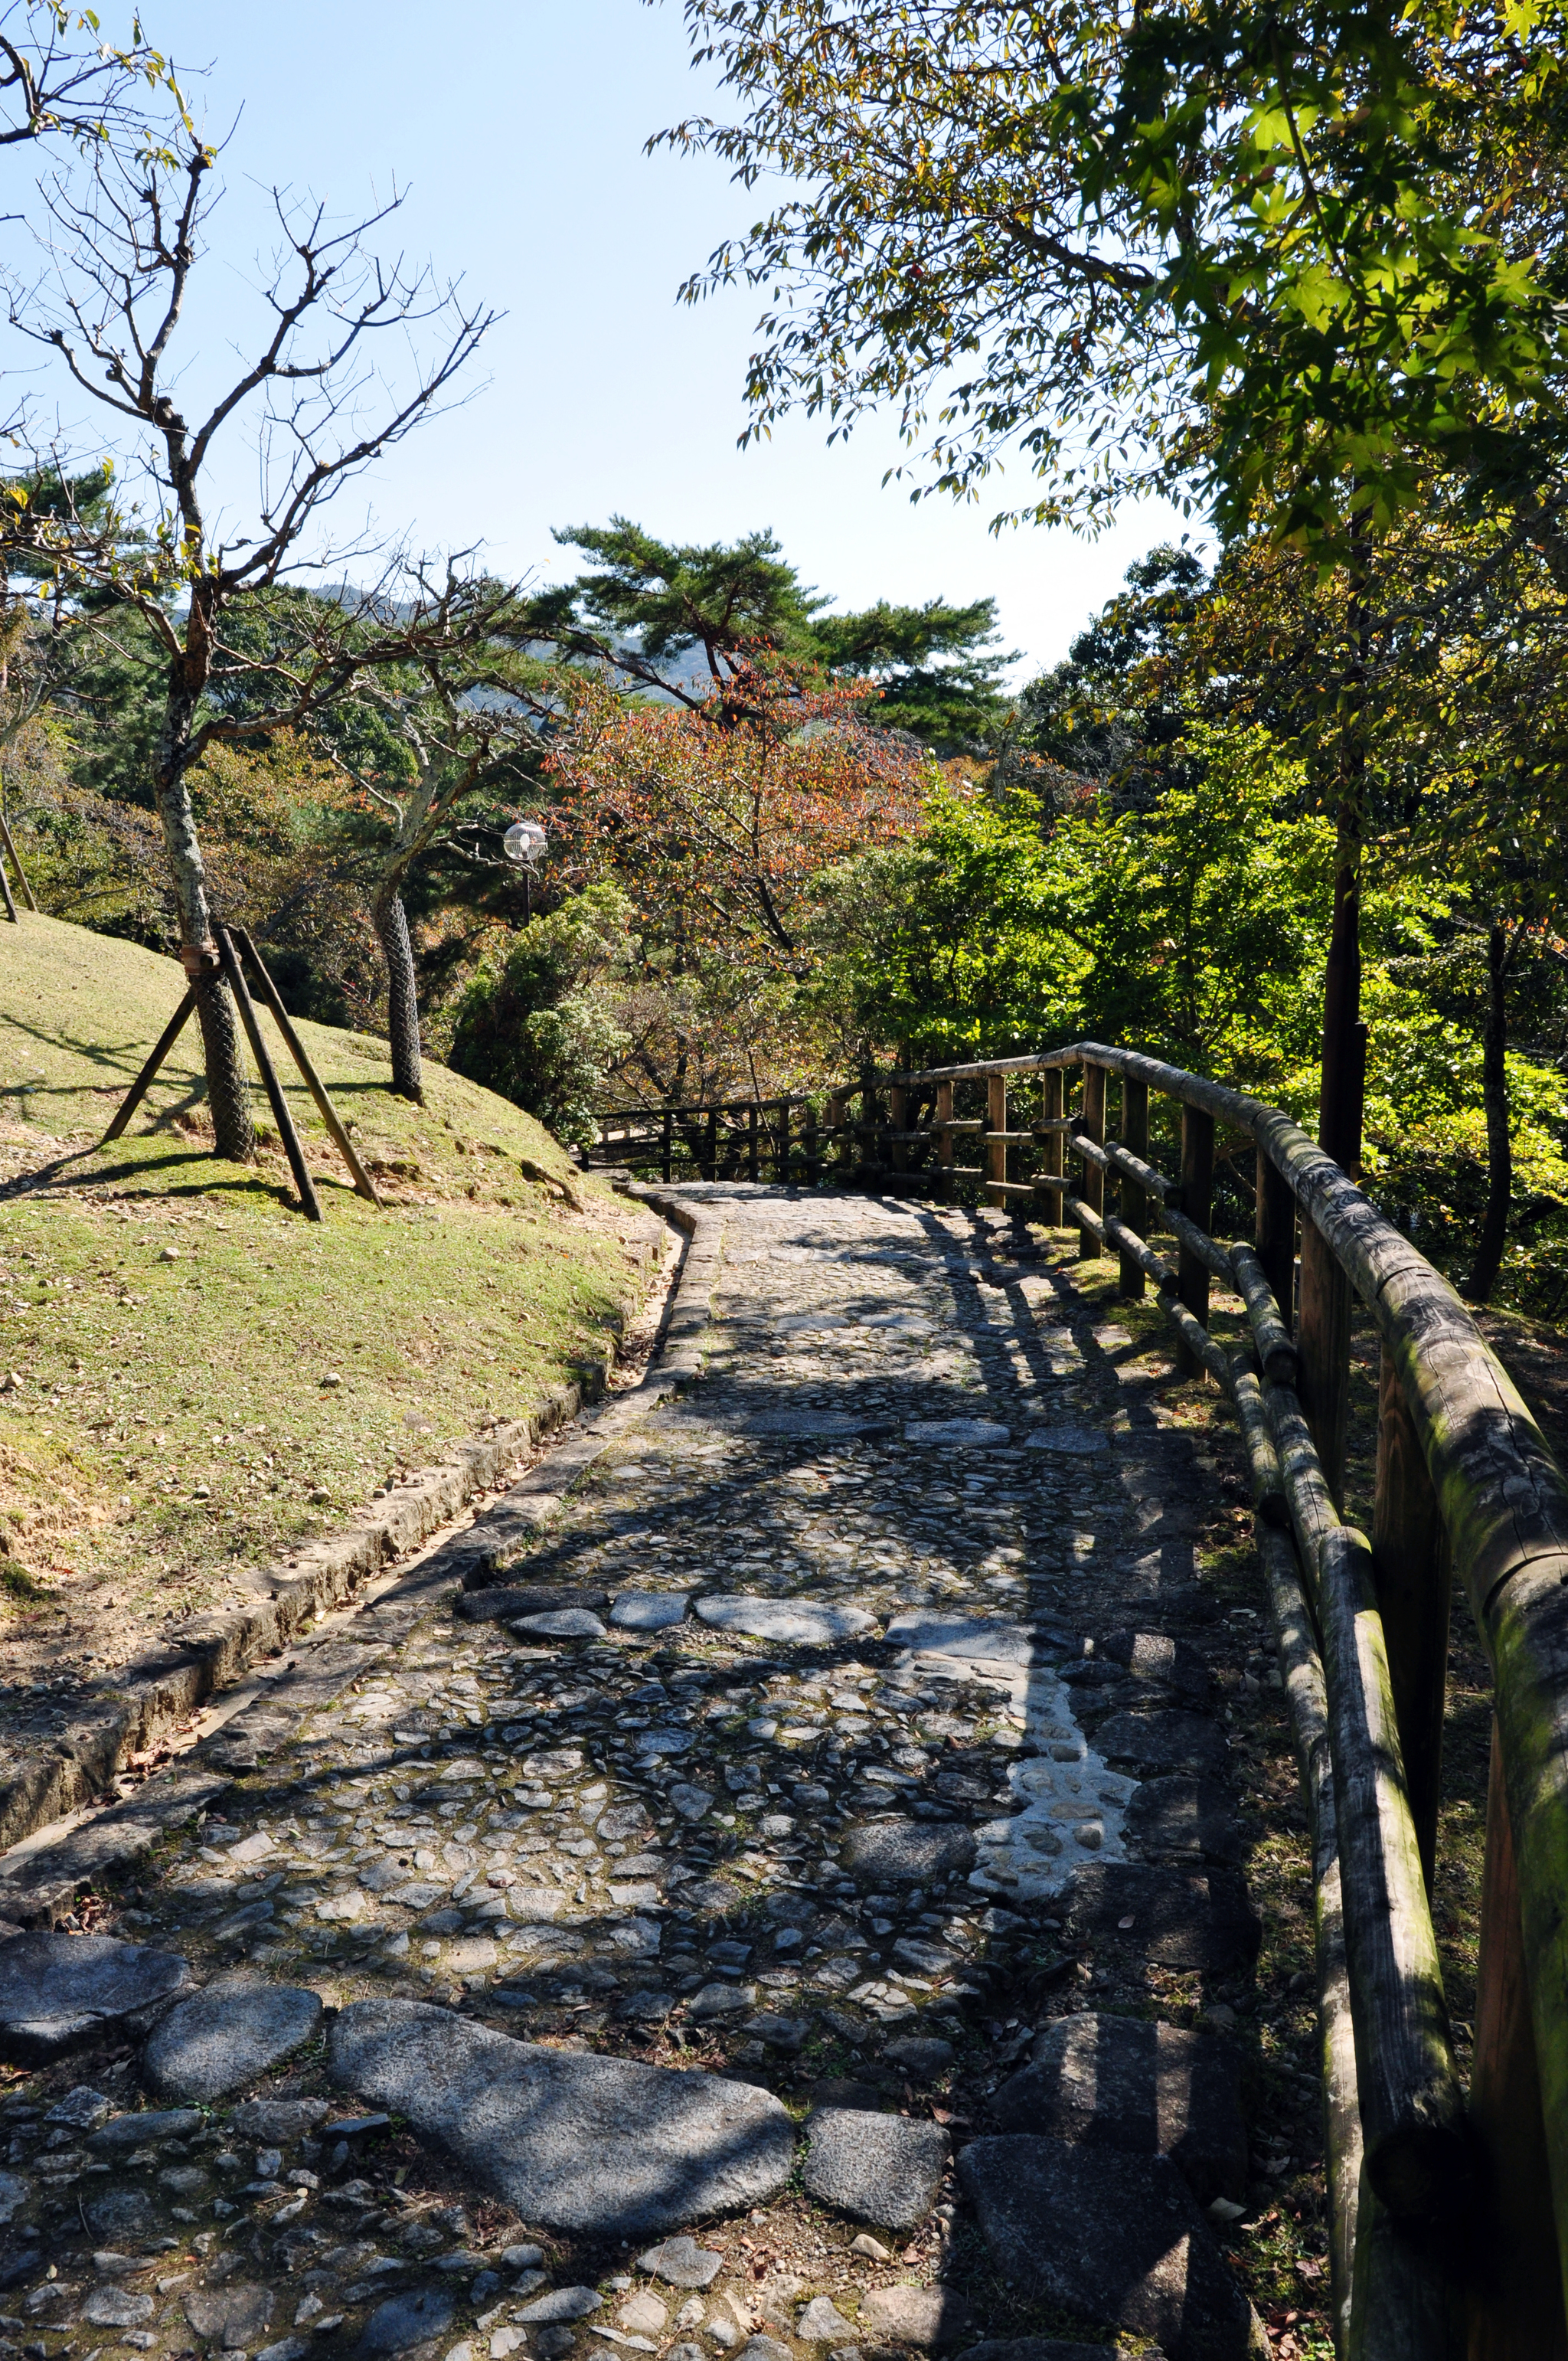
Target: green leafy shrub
[(542, 1024)]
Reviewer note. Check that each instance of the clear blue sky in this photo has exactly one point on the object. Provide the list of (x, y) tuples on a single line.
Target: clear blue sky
[(517, 129)]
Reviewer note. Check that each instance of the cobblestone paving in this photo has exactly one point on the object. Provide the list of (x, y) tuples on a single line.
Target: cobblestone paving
[(803, 1863)]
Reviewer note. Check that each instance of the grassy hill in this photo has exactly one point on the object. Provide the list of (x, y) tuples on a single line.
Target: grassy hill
[(192, 1377)]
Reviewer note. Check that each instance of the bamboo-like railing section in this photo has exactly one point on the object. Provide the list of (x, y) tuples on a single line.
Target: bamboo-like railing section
[(1441, 2242)]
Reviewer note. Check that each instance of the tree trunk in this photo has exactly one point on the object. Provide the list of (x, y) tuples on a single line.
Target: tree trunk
[(1494, 1099), (1342, 1085), (228, 1090), (403, 993)]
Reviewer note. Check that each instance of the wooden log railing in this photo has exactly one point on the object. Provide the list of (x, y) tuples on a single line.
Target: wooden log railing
[(1448, 2207)]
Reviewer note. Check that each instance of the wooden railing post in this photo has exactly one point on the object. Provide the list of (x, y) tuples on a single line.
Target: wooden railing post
[(812, 1159), (898, 1120), (1197, 1203), (753, 1143), (996, 1120), (1051, 1158), (945, 1147), (1135, 1139), (837, 1123), (1274, 1234), (1515, 2297), (1413, 1579), (1092, 1185), (1323, 1336), (711, 1168), (781, 1162), (870, 1117), (667, 1143)]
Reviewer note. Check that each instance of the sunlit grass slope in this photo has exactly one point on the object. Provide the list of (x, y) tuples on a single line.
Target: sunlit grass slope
[(193, 1377)]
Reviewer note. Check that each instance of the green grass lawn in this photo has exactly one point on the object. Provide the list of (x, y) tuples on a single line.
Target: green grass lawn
[(195, 1378)]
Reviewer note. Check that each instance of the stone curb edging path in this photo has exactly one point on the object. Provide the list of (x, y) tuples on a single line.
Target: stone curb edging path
[(835, 1881)]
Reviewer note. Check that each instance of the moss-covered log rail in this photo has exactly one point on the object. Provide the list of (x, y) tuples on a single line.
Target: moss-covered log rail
[(1441, 2241)]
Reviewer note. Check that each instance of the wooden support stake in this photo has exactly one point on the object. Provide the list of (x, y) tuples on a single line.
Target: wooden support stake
[(270, 1083), (1051, 1164), (6, 893), (1136, 1139), (1273, 1235), (1323, 1338), (1093, 1128), (300, 1055), (1412, 2111), (1196, 1195), (1412, 1573), (1515, 2304), (14, 859), (753, 1144), (143, 1082), (996, 1120)]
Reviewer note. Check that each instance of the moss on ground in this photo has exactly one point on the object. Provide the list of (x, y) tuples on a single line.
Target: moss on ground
[(196, 1379)]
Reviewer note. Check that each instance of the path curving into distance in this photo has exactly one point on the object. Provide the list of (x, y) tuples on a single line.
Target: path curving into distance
[(786, 1898)]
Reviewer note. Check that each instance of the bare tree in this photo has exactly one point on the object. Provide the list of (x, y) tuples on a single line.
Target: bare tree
[(459, 722), (58, 75), (244, 655)]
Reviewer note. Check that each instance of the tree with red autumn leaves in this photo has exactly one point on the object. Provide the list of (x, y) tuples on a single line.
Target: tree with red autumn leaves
[(714, 822)]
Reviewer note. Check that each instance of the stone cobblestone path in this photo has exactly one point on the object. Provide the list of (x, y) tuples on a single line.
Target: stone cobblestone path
[(783, 1897)]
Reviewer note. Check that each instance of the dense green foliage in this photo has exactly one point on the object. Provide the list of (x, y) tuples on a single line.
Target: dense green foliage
[(541, 1023)]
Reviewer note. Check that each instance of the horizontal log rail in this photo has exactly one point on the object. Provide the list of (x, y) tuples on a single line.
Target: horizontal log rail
[(1465, 1484)]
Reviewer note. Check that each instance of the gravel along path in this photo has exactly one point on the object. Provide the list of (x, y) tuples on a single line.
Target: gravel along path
[(781, 1896)]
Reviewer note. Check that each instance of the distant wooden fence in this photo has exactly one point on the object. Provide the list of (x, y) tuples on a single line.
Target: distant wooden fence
[(1448, 2205)]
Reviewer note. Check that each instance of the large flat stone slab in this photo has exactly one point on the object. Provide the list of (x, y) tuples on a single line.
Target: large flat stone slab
[(931, 2317), (812, 1425), (58, 1992), (969, 1638), (223, 2039), (1174, 1665), (1151, 1744), (233, 2316), (959, 1434), (1108, 2237), (1183, 1818), (123, 2133), (1144, 2089), (649, 1610), (503, 1603), (875, 2167), (405, 2320), (600, 2145), (902, 1853), (802, 1620), (1180, 1921)]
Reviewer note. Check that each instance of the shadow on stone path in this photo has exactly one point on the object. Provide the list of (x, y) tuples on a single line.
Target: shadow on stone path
[(822, 1843)]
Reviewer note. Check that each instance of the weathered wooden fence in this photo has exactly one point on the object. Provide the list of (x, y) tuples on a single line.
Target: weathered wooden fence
[(1449, 2205)]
